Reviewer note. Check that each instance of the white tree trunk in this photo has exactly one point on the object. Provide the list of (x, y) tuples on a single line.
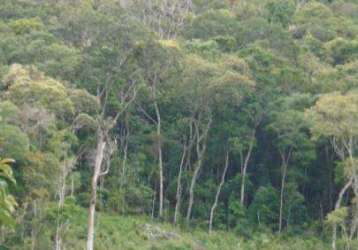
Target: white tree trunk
[(179, 187), (283, 181), (58, 239), (200, 150), (127, 97), (244, 170), (218, 192), (160, 159), (192, 186), (337, 206), (101, 144)]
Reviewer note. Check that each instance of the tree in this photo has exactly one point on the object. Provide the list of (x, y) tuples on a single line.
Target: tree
[(218, 192), (291, 130), (334, 116), (7, 201), (280, 11), (265, 206), (158, 65), (105, 147), (166, 18)]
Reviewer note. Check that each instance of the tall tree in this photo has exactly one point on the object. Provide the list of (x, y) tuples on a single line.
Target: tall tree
[(335, 116)]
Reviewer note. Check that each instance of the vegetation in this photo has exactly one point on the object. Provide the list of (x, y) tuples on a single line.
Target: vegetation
[(186, 124)]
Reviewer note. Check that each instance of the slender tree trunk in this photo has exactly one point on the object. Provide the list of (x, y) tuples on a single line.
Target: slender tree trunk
[(218, 192), (101, 144), (179, 187), (124, 134), (160, 160), (153, 205), (124, 162), (58, 239), (337, 206), (126, 97), (285, 160), (288, 218), (343, 152), (354, 223), (200, 150), (72, 186), (331, 177), (283, 181), (244, 170), (192, 186)]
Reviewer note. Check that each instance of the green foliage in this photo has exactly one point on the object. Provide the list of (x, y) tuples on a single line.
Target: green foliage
[(264, 208), (274, 79), (23, 26), (7, 201), (335, 115), (31, 87), (212, 23), (13, 142), (342, 51), (281, 11)]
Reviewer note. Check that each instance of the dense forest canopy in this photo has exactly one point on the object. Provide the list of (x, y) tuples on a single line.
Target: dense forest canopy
[(179, 124)]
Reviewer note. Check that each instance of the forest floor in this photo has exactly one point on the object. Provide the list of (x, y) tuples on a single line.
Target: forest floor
[(115, 232)]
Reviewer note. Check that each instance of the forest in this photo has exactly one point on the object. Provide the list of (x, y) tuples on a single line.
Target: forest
[(179, 124)]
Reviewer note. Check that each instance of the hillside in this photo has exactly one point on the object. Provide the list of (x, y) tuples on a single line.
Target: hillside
[(179, 124)]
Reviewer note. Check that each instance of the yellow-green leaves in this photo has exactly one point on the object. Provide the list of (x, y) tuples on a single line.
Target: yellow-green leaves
[(170, 43), (26, 25), (7, 201), (337, 216), (335, 115), (5, 169), (26, 86)]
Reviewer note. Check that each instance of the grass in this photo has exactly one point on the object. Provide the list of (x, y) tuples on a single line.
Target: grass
[(114, 232)]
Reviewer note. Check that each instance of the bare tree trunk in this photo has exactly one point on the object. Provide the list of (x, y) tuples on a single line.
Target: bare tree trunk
[(331, 176), (283, 180), (337, 206), (218, 192), (104, 126), (350, 148), (153, 205), (285, 159), (72, 186), (101, 144), (343, 151), (192, 186), (244, 170), (200, 150), (160, 160), (124, 162), (58, 239), (179, 187)]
